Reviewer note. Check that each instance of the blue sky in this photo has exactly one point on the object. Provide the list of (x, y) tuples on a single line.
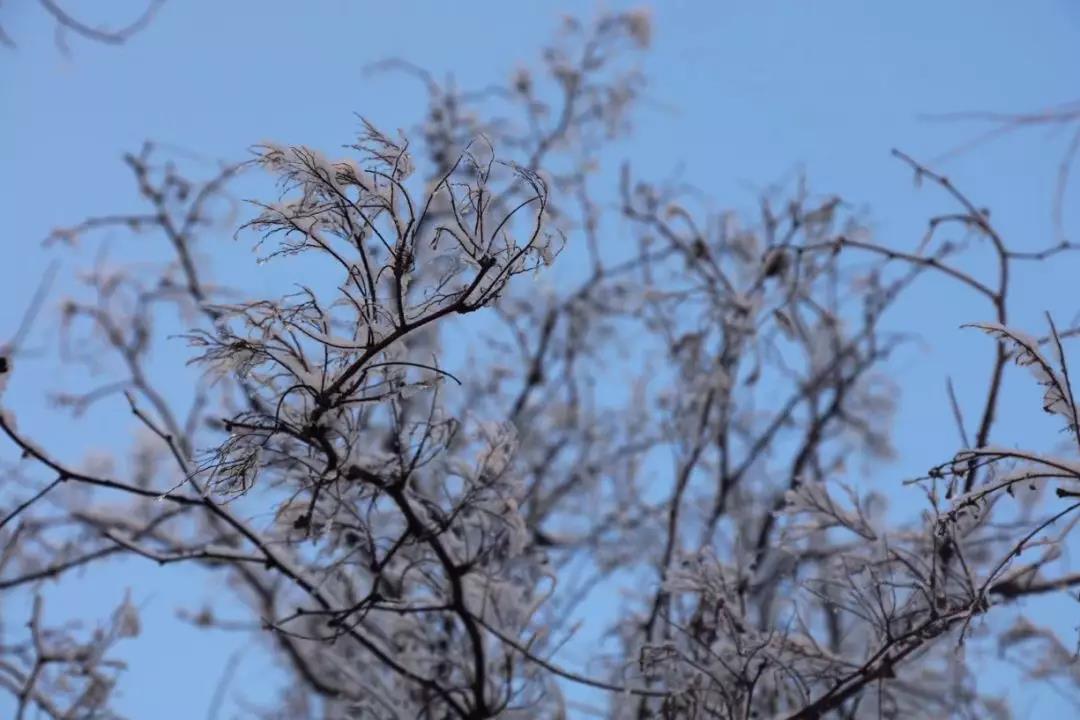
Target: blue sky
[(740, 95)]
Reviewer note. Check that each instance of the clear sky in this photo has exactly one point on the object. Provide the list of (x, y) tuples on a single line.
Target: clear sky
[(740, 95)]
